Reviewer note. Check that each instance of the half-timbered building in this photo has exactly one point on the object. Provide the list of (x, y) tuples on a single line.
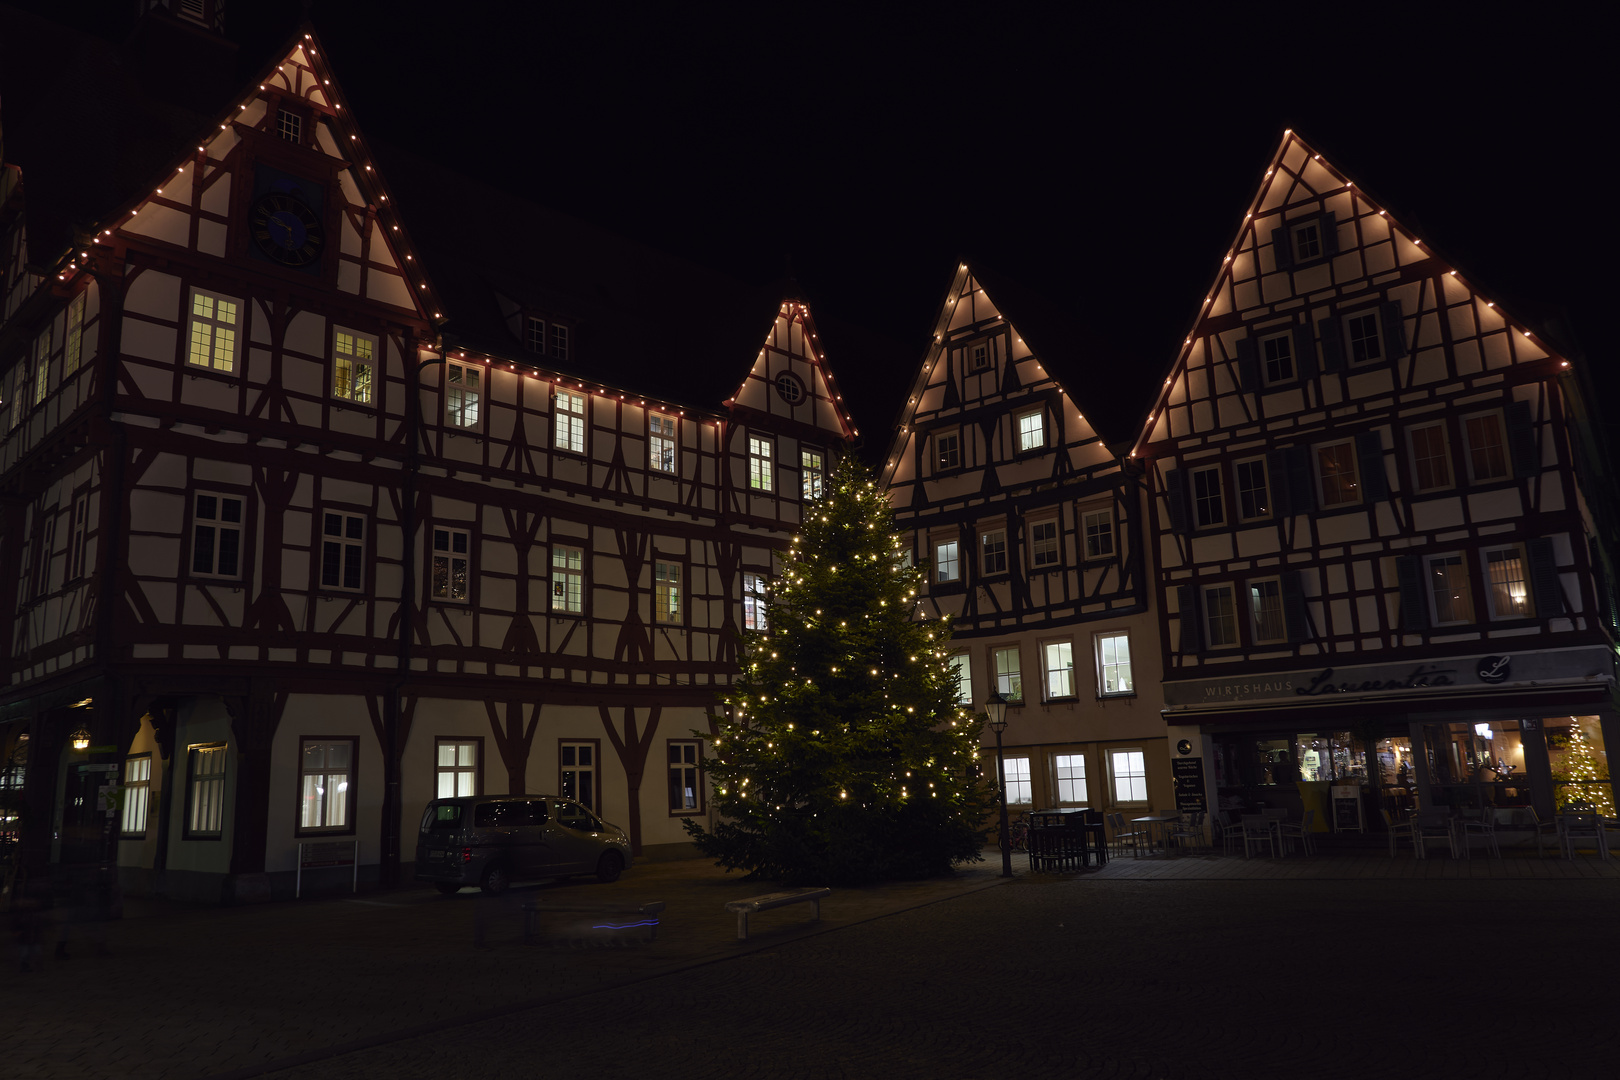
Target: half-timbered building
[(330, 488), (1383, 538), (1031, 526)]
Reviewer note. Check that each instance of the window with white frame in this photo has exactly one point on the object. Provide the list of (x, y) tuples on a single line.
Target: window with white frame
[(1509, 587), (1449, 594), (213, 331), (559, 342), (353, 364), (1031, 430), (452, 553), (1058, 657), (463, 394), (812, 472), (42, 366), (1129, 769), (1220, 616), (979, 355), (289, 125), (137, 794), (667, 593), (1336, 475), (535, 335), (1266, 622), (74, 350), (1277, 358), (947, 561), (1099, 529), (661, 443), (1254, 495), (19, 389), (577, 772), (343, 551), (754, 617), (962, 671), (1487, 447), (1365, 337), (760, 477), (1020, 791), (947, 451), (205, 792), (1114, 662), (1009, 675), (1307, 240), (76, 546), (1069, 770), (455, 767), (568, 421), (1431, 456), (1208, 506), (216, 535), (685, 776), (567, 579), (325, 784), (993, 551), (1043, 543)]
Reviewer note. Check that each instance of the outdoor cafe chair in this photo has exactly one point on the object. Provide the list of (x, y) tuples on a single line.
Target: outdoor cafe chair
[(1126, 838), (1406, 828), (1301, 832), (1484, 825), (1257, 830), (1432, 825), (1189, 831), (1579, 827), (1231, 831)]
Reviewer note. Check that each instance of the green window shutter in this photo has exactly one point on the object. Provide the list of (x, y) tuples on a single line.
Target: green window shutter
[(1277, 480), (1394, 326), (1329, 229), (1370, 456), (1414, 607), (1299, 626), (1301, 481), (1191, 623), (1332, 337), (1175, 497), (1521, 434), (1282, 249), (1304, 350), (1544, 578), (1248, 365)]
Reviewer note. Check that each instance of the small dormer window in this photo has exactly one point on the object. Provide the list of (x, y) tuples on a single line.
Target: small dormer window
[(1307, 237), (979, 355), (559, 342), (536, 338), (290, 126), (789, 388)]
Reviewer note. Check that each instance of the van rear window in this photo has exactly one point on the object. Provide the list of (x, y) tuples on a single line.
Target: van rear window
[(442, 818)]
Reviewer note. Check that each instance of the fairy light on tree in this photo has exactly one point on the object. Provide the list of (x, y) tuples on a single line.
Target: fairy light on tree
[(841, 755), (1584, 777)]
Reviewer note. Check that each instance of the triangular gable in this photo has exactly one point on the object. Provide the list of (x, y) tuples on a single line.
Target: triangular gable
[(969, 319), (1447, 328), (791, 380), (376, 257)]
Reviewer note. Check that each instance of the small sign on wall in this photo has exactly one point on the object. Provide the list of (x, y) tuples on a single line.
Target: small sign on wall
[(1189, 776)]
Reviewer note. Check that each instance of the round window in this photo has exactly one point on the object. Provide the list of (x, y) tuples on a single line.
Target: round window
[(789, 388)]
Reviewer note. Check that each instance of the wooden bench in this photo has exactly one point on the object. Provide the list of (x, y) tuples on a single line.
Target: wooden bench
[(770, 901), (604, 921)]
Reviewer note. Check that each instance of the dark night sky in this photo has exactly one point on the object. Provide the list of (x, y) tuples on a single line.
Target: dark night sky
[(1102, 156)]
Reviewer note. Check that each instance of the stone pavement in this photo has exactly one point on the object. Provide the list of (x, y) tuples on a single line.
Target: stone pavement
[(1159, 967)]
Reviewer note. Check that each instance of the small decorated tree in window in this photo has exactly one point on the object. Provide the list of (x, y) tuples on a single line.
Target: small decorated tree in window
[(842, 755)]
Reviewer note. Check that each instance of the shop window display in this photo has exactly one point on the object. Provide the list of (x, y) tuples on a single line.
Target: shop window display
[(1580, 764), (1477, 765)]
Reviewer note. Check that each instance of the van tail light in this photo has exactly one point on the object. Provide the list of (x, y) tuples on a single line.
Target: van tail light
[(466, 854)]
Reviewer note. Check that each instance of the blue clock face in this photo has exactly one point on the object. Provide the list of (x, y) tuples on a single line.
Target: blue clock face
[(286, 229)]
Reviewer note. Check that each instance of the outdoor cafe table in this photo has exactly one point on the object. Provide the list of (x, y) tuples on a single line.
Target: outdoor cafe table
[(1058, 838), (1156, 824)]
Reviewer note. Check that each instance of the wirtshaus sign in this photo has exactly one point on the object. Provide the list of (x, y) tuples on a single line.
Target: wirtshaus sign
[(1494, 672)]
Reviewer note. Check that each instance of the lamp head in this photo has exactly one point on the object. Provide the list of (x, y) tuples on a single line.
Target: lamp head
[(996, 708)]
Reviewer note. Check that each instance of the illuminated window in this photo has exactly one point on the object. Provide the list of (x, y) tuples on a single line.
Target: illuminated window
[(567, 579), (1059, 661), (352, 366), (1031, 430), (452, 549), (577, 769), (811, 473), (463, 389), (1431, 457), (137, 792), (947, 561), (993, 551), (1449, 591), (343, 550), (760, 477), (685, 779), (661, 443), (1254, 496), (455, 767), (289, 125), (1099, 526), (1509, 590), (1336, 474), (962, 672), (1209, 508), (213, 332), (1009, 677), (216, 535), (754, 599), (1114, 662), (325, 784), (42, 367), (1487, 448), (205, 792), (75, 337), (568, 422), (667, 593), (1129, 768), (1070, 772), (1266, 621), (1043, 543), (1220, 616), (1020, 792)]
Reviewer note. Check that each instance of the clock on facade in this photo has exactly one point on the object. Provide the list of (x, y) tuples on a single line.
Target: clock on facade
[(286, 229)]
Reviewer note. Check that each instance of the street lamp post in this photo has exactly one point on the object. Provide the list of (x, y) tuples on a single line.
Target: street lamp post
[(996, 709)]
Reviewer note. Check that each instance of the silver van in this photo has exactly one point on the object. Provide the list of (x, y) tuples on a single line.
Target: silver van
[(493, 840)]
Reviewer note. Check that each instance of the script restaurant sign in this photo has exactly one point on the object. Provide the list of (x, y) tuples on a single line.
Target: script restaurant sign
[(1562, 667)]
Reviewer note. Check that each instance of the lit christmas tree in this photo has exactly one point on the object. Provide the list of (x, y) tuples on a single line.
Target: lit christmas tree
[(1585, 774), (844, 757)]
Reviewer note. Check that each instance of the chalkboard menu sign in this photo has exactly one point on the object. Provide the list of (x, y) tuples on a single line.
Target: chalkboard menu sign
[(1189, 775), (1347, 809)]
